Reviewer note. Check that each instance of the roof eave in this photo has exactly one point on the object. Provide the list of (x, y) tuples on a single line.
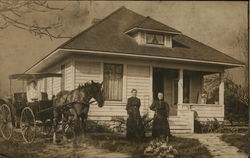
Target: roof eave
[(95, 52), (226, 65)]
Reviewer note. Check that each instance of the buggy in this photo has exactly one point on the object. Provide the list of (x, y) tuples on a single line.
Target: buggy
[(17, 114)]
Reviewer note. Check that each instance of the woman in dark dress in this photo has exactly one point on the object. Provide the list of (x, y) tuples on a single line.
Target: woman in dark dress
[(135, 129), (160, 123)]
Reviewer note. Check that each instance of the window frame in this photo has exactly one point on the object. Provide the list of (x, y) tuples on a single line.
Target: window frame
[(122, 86), (155, 34)]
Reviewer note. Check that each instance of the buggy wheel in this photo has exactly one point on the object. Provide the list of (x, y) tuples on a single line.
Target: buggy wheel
[(6, 126), (28, 125)]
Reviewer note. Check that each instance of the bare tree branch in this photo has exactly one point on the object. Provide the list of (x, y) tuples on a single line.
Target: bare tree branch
[(12, 10)]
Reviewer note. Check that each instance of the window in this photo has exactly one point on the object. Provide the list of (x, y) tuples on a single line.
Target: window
[(154, 39), (113, 76), (63, 77)]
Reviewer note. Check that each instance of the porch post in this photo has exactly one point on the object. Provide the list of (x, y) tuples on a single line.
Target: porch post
[(180, 87), (221, 89), (221, 92)]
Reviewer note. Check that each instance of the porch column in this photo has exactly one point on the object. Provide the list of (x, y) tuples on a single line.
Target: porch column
[(221, 93), (221, 89), (180, 87)]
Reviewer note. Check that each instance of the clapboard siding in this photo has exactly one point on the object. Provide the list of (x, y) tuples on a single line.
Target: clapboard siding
[(56, 85), (56, 81), (86, 71), (108, 111), (207, 111), (68, 76), (41, 85), (49, 87), (138, 77)]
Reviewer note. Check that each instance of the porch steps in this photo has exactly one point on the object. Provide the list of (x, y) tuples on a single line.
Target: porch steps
[(178, 125)]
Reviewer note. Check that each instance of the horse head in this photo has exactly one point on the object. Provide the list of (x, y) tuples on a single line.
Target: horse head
[(95, 90)]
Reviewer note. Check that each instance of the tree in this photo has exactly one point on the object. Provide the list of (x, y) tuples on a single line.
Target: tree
[(19, 14), (236, 98)]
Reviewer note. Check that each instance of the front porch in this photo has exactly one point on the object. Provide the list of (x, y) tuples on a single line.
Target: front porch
[(184, 92)]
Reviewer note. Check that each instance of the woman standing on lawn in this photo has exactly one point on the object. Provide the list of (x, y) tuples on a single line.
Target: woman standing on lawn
[(160, 123), (135, 129)]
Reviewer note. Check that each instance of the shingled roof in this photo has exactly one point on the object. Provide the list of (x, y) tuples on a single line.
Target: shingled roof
[(108, 35), (150, 24)]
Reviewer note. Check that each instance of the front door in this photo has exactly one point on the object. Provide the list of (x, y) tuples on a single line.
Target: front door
[(162, 82), (158, 82)]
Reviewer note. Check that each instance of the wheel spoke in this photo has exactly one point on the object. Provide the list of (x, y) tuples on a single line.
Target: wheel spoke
[(6, 127), (28, 125)]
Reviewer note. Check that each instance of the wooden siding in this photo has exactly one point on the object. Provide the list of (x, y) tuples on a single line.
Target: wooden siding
[(56, 81), (41, 85), (87, 71), (206, 111), (138, 77), (109, 110), (68, 76), (49, 87)]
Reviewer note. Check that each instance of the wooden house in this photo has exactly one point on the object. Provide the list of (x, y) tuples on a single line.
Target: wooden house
[(126, 50)]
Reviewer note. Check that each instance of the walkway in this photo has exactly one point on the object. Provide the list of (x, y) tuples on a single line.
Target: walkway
[(217, 147)]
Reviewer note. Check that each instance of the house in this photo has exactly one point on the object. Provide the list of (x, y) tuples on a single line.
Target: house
[(126, 50)]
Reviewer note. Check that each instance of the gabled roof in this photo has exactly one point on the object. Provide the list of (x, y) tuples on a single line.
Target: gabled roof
[(108, 35), (150, 24)]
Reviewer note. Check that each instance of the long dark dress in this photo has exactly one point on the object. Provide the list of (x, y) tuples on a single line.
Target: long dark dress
[(135, 129), (160, 122)]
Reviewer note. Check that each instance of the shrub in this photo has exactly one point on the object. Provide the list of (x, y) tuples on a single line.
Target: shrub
[(236, 101), (160, 148)]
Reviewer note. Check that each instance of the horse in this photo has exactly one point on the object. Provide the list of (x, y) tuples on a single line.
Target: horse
[(72, 107)]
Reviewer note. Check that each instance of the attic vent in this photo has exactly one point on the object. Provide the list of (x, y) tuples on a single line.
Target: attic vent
[(95, 20)]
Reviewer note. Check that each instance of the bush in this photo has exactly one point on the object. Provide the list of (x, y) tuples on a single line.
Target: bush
[(160, 148), (120, 123), (214, 126), (236, 101)]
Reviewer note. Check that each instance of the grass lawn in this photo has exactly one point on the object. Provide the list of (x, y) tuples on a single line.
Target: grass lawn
[(241, 141), (43, 147), (187, 148)]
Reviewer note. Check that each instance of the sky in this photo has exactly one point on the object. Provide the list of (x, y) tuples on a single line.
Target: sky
[(221, 25)]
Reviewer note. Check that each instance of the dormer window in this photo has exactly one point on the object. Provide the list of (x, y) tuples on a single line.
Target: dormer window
[(154, 39)]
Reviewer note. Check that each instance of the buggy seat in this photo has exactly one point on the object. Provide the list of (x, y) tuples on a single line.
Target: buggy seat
[(21, 97)]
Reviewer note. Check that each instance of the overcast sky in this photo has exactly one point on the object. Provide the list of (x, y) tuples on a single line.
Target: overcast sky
[(221, 25)]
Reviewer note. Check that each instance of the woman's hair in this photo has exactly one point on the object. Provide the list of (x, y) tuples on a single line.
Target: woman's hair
[(133, 90), (160, 93)]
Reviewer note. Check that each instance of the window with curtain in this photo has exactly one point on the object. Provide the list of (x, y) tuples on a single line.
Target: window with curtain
[(113, 77), (155, 39)]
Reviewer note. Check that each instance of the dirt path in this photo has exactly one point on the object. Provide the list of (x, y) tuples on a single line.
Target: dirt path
[(217, 147)]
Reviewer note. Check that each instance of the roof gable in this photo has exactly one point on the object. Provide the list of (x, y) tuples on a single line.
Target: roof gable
[(150, 24)]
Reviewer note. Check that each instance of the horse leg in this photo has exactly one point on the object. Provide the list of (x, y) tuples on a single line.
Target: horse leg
[(65, 122), (55, 122)]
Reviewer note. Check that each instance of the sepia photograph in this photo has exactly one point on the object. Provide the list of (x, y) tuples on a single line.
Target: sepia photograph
[(124, 79)]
